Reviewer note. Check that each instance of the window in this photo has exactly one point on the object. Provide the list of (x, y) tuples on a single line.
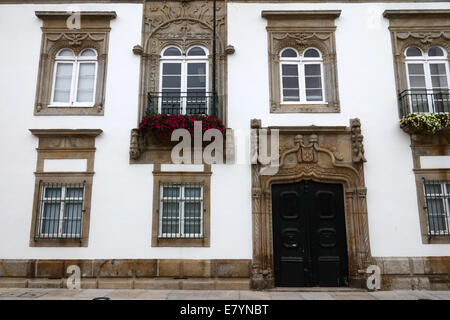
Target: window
[(301, 76), (181, 211), (74, 78), (73, 63), (61, 210), (181, 207), (437, 206), (63, 187), (428, 78), (184, 81)]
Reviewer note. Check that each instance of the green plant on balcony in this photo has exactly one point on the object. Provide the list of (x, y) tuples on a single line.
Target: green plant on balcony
[(164, 124), (430, 123)]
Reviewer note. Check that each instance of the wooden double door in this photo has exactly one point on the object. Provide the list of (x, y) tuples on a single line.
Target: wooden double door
[(309, 238)]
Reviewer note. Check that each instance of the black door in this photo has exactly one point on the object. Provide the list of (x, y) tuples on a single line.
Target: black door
[(309, 241)]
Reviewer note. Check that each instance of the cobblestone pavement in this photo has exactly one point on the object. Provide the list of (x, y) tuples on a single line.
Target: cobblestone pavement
[(141, 294)]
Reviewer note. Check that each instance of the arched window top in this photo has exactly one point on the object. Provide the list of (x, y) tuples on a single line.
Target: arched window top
[(65, 53), (311, 53), (436, 52), (196, 51), (289, 53), (413, 52), (171, 52), (88, 53)]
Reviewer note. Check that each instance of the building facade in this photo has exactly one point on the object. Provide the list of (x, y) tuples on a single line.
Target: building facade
[(353, 97)]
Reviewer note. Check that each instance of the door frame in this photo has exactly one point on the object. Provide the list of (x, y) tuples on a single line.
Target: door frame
[(321, 154)]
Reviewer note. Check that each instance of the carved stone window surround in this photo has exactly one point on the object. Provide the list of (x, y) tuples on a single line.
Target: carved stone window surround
[(428, 145), (301, 30), (421, 28), (204, 178), (64, 144), (94, 33), (322, 154)]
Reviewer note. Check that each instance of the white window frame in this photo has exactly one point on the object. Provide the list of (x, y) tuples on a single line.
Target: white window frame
[(76, 61), (181, 200), (443, 196), (426, 61), (62, 201), (184, 60), (301, 61)]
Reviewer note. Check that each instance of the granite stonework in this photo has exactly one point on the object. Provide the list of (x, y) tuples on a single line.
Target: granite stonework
[(419, 273)]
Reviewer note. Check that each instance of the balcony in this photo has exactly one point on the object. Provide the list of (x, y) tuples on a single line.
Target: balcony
[(182, 103), (424, 101)]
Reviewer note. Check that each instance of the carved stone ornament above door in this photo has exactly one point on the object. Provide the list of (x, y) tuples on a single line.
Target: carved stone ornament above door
[(322, 154)]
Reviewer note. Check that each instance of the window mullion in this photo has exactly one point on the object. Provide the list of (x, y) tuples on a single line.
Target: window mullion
[(302, 82), (74, 85)]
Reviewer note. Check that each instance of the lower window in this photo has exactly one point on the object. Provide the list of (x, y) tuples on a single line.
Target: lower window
[(60, 210), (437, 206), (181, 210)]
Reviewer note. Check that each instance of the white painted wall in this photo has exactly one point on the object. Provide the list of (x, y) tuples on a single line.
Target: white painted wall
[(367, 91), (121, 207)]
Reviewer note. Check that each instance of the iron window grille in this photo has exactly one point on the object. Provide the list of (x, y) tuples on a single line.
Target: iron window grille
[(181, 210), (437, 206), (193, 102), (59, 214)]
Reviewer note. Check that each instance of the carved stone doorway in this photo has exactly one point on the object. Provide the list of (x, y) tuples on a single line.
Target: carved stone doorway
[(322, 154)]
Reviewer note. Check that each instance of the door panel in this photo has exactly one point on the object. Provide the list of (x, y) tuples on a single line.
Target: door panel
[(309, 234)]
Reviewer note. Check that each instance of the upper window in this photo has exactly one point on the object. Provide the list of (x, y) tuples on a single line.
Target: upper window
[(428, 79), (74, 78), (183, 81), (301, 76), (437, 206)]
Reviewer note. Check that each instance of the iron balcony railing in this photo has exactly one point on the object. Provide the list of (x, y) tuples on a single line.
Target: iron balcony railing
[(424, 101), (181, 210), (437, 206), (60, 209), (182, 103)]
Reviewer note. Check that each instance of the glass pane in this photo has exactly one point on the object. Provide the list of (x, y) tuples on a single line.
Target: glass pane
[(437, 69), (171, 81), (311, 53), (289, 70), (290, 82), (192, 209), (86, 82), (190, 192), (413, 52), (435, 206), (312, 69), (433, 189), (439, 81), (63, 82), (291, 95), (170, 217), (172, 68), (66, 53), (196, 81), (196, 68), (435, 52), (74, 193), (314, 94), (72, 218), (196, 51), (192, 216), (313, 83), (172, 51), (88, 53), (52, 192), (172, 192), (415, 69), (50, 218), (289, 53)]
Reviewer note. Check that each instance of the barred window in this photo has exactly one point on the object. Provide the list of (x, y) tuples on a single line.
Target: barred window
[(437, 205), (60, 211), (181, 210)]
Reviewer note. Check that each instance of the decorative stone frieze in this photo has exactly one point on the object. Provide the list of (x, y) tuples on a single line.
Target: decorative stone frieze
[(323, 154)]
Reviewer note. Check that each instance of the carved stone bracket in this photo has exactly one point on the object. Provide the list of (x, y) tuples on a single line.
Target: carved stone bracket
[(323, 154)]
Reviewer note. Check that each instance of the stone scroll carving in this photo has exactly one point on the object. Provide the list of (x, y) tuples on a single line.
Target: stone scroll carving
[(323, 154)]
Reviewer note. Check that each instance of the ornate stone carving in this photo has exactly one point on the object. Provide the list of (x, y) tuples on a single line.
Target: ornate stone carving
[(357, 138), (323, 154)]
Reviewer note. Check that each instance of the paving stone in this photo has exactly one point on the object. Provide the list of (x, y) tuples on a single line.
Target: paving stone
[(45, 283), (13, 282), (254, 295), (385, 295), (125, 294), (232, 284), (115, 283), (316, 296), (286, 296), (351, 296), (154, 295), (223, 295), (188, 295), (157, 284), (60, 294), (444, 295), (89, 294)]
